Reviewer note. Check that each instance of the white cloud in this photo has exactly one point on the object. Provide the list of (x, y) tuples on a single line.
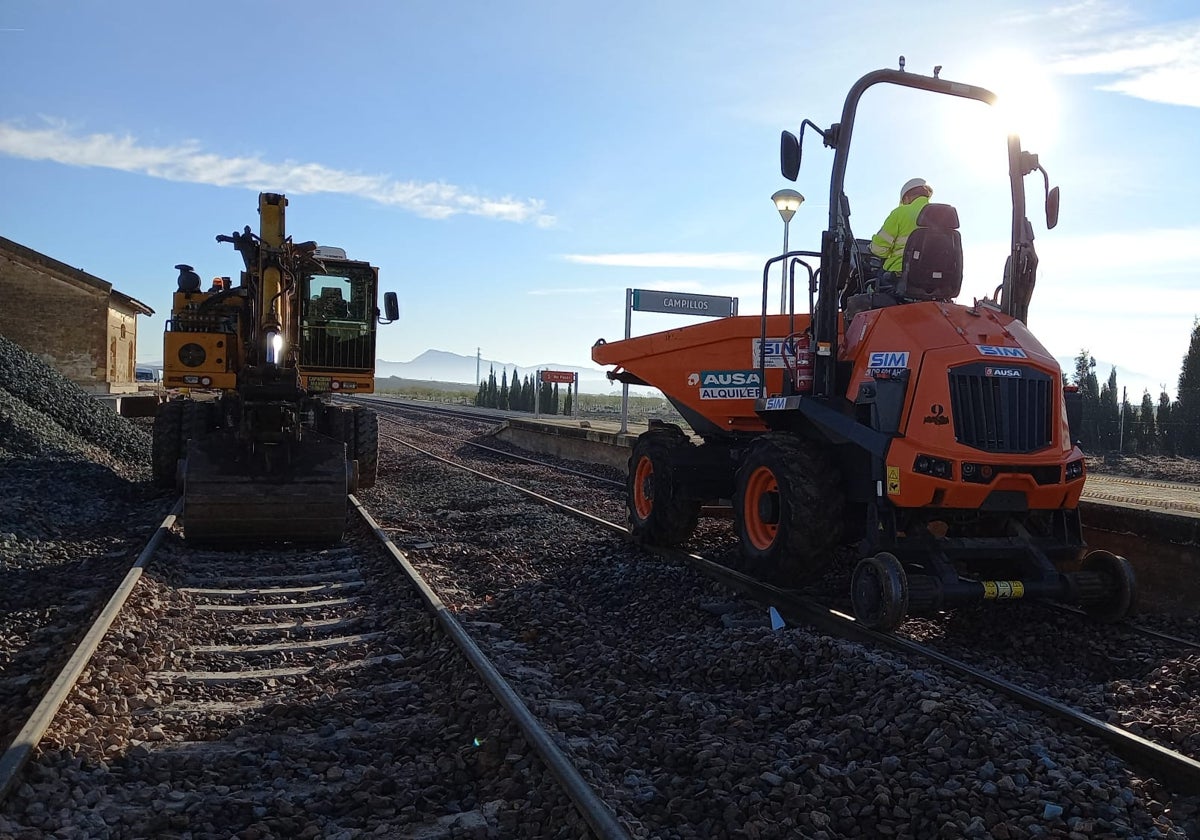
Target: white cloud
[(1159, 64), (1083, 16), (1116, 254), (576, 290), (187, 162), (732, 261)]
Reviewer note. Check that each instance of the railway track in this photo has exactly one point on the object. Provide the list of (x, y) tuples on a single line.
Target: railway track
[(674, 698), (452, 438), (679, 666), (292, 693)]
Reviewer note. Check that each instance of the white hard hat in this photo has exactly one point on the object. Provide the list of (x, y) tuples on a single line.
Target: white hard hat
[(912, 184)]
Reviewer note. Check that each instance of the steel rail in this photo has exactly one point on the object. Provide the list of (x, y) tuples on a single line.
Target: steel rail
[(484, 415), (1180, 769), (1127, 625), (22, 746), (593, 809), (510, 455)]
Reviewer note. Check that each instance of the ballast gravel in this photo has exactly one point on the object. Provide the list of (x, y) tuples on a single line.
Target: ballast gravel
[(697, 720)]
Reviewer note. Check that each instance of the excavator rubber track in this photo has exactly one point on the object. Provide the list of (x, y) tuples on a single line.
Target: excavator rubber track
[(229, 501)]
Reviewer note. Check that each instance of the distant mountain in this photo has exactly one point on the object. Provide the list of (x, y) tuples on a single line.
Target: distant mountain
[(444, 366)]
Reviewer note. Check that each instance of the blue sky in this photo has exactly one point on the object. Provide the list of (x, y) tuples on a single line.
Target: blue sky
[(512, 168)]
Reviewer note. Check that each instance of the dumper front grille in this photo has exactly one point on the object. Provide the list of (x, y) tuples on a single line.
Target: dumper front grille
[(1002, 409)]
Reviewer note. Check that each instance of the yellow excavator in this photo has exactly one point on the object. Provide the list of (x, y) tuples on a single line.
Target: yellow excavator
[(252, 437)]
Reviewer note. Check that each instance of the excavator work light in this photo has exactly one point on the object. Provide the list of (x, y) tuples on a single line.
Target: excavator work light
[(274, 347)]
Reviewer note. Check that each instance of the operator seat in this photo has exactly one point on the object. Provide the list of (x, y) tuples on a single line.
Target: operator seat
[(933, 257), (331, 304)]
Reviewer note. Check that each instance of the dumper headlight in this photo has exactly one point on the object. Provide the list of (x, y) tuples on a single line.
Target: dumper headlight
[(1075, 470), (936, 467)]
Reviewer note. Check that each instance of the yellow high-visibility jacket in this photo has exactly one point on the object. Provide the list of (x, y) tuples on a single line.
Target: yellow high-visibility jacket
[(889, 243)]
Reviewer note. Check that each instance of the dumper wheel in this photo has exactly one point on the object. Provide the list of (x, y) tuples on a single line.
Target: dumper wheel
[(365, 448), (1120, 593), (787, 507), (659, 512), (166, 444), (879, 592)]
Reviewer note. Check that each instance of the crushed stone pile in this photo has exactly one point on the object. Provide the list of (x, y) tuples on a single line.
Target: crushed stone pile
[(44, 414)]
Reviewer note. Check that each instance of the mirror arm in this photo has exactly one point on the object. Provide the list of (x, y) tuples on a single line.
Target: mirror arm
[(1045, 179)]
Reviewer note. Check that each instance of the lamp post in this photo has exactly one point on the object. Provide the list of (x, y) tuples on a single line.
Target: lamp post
[(787, 202)]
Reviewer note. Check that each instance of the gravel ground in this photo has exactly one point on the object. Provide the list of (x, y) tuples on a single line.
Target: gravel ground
[(686, 711), (1159, 467), (697, 720), (77, 506), (392, 735)]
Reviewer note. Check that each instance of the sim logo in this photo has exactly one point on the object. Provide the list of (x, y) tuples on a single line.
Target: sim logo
[(1006, 352), (888, 359)]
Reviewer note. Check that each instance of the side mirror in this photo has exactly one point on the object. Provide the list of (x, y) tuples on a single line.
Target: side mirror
[(391, 306), (1052, 208), (789, 155)]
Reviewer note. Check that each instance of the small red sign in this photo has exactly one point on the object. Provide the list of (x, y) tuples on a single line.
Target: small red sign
[(558, 376)]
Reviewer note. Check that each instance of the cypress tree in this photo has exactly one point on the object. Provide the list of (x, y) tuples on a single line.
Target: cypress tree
[(1166, 427), (1110, 412), (567, 403), (1147, 439), (1127, 433), (527, 394), (503, 400), (1187, 415), (1089, 391), (554, 405), (493, 394)]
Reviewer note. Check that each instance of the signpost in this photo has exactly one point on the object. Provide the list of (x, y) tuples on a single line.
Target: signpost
[(568, 377), (673, 303), (680, 303)]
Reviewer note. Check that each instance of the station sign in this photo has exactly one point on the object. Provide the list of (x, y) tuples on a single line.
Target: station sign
[(681, 303), (558, 376)]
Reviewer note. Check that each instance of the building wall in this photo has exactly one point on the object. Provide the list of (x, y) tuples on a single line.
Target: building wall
[(61, 320), (122, 349)]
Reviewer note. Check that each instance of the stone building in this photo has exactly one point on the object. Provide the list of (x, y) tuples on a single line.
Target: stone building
[(78, 323)]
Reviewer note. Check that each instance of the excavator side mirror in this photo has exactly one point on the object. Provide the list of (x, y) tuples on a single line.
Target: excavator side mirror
[(1052, 208), (789, 155), (391, 306)]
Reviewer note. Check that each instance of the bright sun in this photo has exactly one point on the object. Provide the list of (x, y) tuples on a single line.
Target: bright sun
[(1026, 99)]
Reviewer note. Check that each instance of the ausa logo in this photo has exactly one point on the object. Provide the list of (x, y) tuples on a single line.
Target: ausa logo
[(729, 384), (1011, 373)]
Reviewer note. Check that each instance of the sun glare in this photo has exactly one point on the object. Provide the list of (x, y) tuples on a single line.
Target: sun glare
[(1027, 103)]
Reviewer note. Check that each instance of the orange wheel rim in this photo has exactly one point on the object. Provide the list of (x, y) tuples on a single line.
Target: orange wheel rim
[(643, 488), (761, 483)]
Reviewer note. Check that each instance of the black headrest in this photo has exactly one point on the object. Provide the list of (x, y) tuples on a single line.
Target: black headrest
[(938, 216)]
